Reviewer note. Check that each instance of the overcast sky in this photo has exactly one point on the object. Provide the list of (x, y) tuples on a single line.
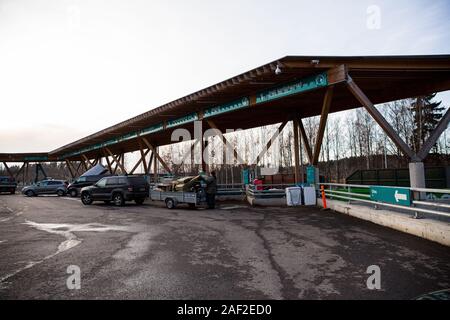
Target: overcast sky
[(69, 68)]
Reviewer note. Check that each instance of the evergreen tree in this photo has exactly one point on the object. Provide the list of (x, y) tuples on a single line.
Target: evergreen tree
[(427, 114)]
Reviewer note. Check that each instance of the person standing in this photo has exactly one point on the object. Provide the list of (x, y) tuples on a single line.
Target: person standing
[(211, 190)]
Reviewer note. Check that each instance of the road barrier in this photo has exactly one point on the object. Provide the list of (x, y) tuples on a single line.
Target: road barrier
[(411, 199)]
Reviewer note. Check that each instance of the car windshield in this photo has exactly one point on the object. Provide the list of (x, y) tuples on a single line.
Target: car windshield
[(101, 183)]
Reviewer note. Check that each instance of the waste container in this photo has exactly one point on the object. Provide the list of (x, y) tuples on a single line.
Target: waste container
[(309, 196), (294, 196)]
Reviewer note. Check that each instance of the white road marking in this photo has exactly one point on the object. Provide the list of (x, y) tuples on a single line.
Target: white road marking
[(233, 208), (66, 230), (73, 199)]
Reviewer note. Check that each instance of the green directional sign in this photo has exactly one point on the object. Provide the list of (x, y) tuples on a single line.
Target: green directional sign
[(399, 196)]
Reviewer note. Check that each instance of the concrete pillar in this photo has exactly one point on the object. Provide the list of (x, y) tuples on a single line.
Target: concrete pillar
[(417, 178)]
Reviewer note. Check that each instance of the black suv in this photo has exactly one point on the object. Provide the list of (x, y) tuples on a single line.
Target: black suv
[(74, 188), (8, 184), (117, 189)]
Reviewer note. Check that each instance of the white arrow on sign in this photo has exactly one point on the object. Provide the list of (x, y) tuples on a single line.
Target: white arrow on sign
[(400, 196)]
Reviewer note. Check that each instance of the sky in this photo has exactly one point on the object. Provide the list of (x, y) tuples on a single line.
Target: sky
[(69, 68)]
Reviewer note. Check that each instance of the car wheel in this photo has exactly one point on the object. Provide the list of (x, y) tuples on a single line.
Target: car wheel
[(29, 193), (139, 201), (13, 191), (118, 199), (86, 198), (60, 193), (73, 193), (170, 203), (191, 206)]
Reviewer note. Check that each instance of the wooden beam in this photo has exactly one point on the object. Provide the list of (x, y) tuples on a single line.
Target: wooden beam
[(79, 167), (378, 117), (70, 169), (431, 141), (142, 159), (117, 161), (88, 161), (155, 167), (269, 143), (7, 169), (108, 162), (296, 151), (20, 170), (143, 156), (150, 146), (191, 148), (323, 123), (305, 139), (226, 143), (150, 161), (337, 74)]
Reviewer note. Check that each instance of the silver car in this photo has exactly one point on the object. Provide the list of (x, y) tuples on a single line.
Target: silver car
[(58, 187)]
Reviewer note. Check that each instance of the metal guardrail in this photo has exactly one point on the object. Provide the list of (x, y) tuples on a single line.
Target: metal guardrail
[(267, 191), (417, 205)]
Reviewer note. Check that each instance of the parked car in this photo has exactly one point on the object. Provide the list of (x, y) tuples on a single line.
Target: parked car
[(117, 189), (58, 187), (8, 184), (75, 187)]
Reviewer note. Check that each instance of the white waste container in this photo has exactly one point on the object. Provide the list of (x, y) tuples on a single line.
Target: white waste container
[(309, 195), (294, 196)]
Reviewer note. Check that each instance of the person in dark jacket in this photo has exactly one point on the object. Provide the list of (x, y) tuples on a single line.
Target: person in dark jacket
[(211, 190)]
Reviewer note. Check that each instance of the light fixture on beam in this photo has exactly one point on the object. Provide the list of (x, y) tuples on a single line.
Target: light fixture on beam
[(278, 70)]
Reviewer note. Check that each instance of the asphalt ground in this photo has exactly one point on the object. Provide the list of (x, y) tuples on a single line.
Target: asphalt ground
[(232, 252)]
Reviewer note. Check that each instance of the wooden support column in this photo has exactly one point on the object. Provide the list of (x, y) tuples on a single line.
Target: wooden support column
[(78, 168), (440, 128), (108, 162), (150, 146), (69, 166), (305, 139), (117, 161), (378, 117), (88, 162), (8, 170), (143, 156), (149, 165), (155, 167), (141, 160), (269, 143), (226, 143), (323, 123), (27, 175), (19, 171), (296, 151)]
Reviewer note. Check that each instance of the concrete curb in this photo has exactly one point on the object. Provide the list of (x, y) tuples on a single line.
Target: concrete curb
[(432, 230)]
